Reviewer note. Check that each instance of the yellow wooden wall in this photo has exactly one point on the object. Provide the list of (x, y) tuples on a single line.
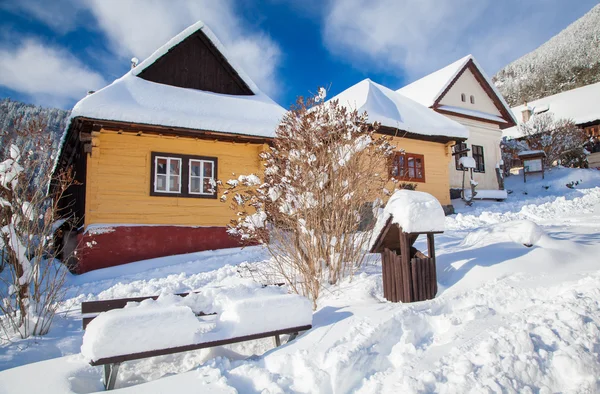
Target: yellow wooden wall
[(118, 179), (437, 156)]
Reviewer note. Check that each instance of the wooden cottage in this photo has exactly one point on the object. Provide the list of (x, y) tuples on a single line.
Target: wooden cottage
[(148, 149), (423, 138), (408, 274)]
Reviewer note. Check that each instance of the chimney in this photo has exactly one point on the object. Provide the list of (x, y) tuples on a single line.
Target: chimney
[(134, 62), (526, 113)]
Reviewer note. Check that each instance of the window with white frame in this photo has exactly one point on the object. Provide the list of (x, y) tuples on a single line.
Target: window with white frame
[(183, 175), (167, 174), (202, 177)]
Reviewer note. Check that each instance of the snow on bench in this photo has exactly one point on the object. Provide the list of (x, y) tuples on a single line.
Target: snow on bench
[(487, 194), (172, 324)]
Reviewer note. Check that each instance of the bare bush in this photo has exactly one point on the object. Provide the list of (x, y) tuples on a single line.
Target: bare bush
[(560, 139), (325, 165), (31, 284)]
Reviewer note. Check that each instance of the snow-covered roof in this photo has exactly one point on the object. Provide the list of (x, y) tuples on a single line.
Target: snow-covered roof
[(428, 89), (133, 99), (581, 105), (392, 109)]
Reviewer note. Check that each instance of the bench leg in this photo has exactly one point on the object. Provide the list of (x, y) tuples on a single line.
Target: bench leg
[(110, 375), (277, 341)]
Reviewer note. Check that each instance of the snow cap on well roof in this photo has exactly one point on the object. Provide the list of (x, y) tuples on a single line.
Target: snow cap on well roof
[(428, 89), (391, 109), (133, 99), (415, 212), (581, 105)]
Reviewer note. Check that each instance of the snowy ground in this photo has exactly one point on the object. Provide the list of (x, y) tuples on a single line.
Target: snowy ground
[(507, 318)]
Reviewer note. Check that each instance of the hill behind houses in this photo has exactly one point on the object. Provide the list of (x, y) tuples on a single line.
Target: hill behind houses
[(569, 60)]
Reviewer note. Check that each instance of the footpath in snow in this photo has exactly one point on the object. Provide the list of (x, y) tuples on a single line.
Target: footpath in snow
[(518, 311)]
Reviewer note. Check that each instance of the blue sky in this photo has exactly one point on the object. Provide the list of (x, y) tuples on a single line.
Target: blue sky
[(53, 51)]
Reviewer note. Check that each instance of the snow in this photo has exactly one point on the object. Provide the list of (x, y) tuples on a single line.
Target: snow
[(472, 112), (523, 232), (579, 105), (391, 109), (487, 194), (136, 329), (170, 321), (532, 152), (428, 89), (508, 317), (133, 99), (467, 162), (414, 211)]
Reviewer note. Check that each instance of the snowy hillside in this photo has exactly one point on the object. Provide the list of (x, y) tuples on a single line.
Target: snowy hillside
[(569, 60), (507, 318), (11, 112)]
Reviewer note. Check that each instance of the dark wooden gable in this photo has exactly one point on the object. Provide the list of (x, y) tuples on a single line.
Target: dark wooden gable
[(196, 63)]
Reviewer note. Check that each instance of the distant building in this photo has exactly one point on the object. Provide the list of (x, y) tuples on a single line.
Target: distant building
[(464, 93), (581, 105)]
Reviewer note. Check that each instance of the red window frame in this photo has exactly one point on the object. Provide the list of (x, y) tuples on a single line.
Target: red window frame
[(408, 167)]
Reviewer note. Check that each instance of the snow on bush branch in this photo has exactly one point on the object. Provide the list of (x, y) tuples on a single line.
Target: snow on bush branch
[(321, 175), (30, 283)]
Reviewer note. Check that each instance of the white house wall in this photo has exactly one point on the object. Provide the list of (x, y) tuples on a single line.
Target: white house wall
[(468, 85), (489, 136)]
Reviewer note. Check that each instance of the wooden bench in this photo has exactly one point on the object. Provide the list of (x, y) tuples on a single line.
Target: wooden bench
[(91, 309)]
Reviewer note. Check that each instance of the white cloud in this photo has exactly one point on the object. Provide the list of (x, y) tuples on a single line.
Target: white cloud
[(397, 34), (413, 38), (60, 15), (138, 27), (38, 70)]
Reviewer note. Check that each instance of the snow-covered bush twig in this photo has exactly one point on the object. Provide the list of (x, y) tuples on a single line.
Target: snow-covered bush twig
[(325, 168), (560, 139), (31, 283)]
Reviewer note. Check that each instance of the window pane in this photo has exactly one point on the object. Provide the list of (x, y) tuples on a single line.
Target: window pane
[(194, 168), (161, 166), (173, 183), (411, 172), (208, 169), (195, 185), (175, 165), (419, 164), (411, 162), (161, 183)]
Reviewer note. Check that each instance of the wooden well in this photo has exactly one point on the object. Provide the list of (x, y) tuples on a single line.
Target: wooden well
[(408, 274)]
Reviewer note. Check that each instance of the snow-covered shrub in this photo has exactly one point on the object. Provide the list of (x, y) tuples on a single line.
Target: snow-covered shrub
[(325, 165), (560, 139), (31, 283)]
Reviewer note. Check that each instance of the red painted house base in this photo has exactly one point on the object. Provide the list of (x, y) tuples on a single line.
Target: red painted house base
[(110, 246)]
